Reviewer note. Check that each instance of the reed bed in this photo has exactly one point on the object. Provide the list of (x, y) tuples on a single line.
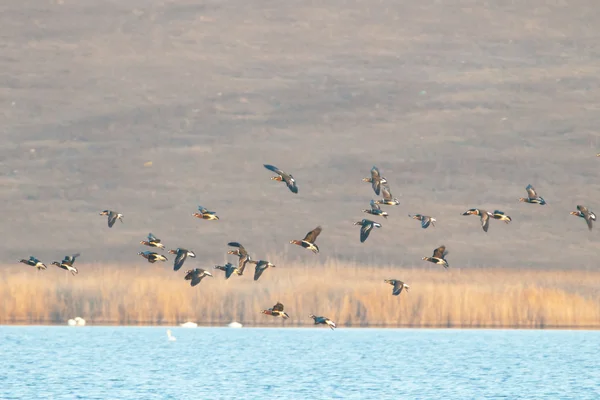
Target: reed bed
[(350, 294)]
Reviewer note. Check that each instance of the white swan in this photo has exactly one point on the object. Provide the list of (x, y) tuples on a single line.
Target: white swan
[(189, 325), (171, 337), (77, 321), (235, 324)]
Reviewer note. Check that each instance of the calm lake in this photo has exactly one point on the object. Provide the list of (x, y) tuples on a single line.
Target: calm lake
[(40, 362)]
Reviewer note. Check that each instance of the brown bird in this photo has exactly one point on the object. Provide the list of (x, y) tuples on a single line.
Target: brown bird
[(276, 311), (484, 217), (152, 257), (67, 263), (439, 257), (203, 213), (283, 177), (532, 197), (586, 214), (153, 241), (196, 275), (398, 286), (387, 197), (376, 180), (242, 254), (309, 240)]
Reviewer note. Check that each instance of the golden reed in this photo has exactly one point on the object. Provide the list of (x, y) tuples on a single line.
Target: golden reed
[(350, 294)]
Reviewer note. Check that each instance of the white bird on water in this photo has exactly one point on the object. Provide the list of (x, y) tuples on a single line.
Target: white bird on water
[(171, 337)]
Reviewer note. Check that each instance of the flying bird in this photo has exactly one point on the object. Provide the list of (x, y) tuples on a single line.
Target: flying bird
[(276, 311), (323, 320), (366, 225), (113, 216), (152, 257), (229, 269), (34, 262), (376, 210), (532, 197), (283, 177), (181, 256), (204, 213), (67, 263), (376, 180), (153, 241), (425, 220), (261, 266), (484, 217), (309, 240), (497, 214), (398, 286), (439, 257), (242, 254), (387, 197), (196, 275), (586, 214)]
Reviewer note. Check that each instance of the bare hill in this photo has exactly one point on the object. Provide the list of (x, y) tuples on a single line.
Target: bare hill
[(460, 104)]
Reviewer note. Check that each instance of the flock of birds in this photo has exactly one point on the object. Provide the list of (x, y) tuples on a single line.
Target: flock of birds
[(380, 186)]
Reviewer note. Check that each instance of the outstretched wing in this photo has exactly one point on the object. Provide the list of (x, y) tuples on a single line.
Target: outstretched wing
[(274, 169), (485, 220), (586, 215), (440, 252), (398, 286), (180, 259), (229, 268), (112, 217), (290, 182), (365, 229), (241, 248), (531, 192), (259, 269), (278, 307), (375, 175), (385, 190), (312, 235), (374, 206), (425, 222), (152, 238)]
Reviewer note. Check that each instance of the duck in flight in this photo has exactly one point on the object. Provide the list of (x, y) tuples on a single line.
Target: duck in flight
[(113, 216), (34, 262), (242, 254), (228, 268), (484, 217), (397, 286), (586, 214), (196, 275), (152, 257), (439, 257), (532, 197), (153, 241), (283, 177), (366, 226), (376, 210), (204, 213), (276, 311), (309, 240), (180, 256), (323, 320), (425, 220), (387, 197), (261, 266), (67, 263), (376, 180)]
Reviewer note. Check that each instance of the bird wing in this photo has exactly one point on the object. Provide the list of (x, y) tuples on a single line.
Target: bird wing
[(498, 212), (274, 169), (374, 206), (376, 184), (531, 192), (365, 229), (385, 190), (241, 248), (229, 268), (439, 252), (586, 215), (259, 269), (485, 220), (278, 307), (152, 238), (312, 235), (425, 221), (180, 259), (375, 175), (196, 279), (290, 182), (112, 217), (398, 286)]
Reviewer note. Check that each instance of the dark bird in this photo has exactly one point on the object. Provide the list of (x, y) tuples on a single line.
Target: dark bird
[(398, 286), (532, 197), (309, 240), (484, 217), (153, 241), (261, 266), (181, 256), (204, 213), (196, 275), (323, 320), (439, 257), (586, 214), (376, 210), (366, 225), (112, 217), (376, 180), (67, 263), (276, 311), (497, 214), (283, 177), (229, 269), (425, 220), (152, 257), (387, 197), (242, 255), (34, 262)]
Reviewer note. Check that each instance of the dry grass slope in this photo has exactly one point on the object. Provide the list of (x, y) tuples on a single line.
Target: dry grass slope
[(350, 294)]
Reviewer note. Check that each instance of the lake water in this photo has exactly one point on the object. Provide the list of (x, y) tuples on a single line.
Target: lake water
[(286, 363)]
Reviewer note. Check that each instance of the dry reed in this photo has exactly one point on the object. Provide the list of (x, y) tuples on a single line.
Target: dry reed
[(351, 295)]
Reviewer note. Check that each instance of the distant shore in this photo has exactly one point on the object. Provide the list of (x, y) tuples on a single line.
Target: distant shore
[(352, 295)]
